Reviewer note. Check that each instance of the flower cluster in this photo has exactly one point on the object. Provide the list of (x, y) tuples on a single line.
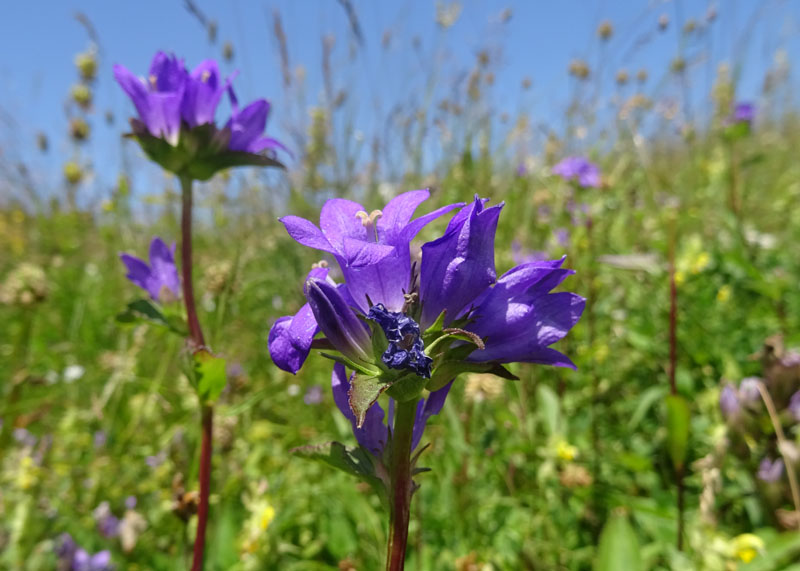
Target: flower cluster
[(176, 111), (405, 328)]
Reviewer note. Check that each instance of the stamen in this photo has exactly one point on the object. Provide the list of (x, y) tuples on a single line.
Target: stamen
[(320, 264), (368, 220), (153, 81), (205, 75)]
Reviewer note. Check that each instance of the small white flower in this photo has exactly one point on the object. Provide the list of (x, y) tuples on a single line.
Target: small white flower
[(72, 373), (293, 390)]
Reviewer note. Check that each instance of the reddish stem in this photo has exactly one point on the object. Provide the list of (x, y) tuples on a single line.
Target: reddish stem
[(197, 343), (400, 499)]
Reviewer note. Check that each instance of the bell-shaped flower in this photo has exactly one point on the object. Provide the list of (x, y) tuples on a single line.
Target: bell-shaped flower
[(160, 278), (580, 169)]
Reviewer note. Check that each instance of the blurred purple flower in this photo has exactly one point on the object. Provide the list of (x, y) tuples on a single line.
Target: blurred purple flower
[(522, 255), (770, 471), (156, 460), (743, 112), (24, 438), (100, 439), (562, 237), (100, 561), (159, 279), (729, 402), (581, 169), (794, 406), (749, 394), (107, 522), (313, 395), (172, 99), (522, 170), (65, 547), (130, 502)]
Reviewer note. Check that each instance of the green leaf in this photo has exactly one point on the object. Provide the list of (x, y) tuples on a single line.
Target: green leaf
[(647, 399), (406, 388), (364, 391), (619, 546), (354, 461), (146, 310), (210, 375), (678, 418), (550, 408)]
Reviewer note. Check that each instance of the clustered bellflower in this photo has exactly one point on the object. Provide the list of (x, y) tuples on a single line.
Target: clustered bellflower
[(408, 325), (160, 278), (175, 125), (581, 169)]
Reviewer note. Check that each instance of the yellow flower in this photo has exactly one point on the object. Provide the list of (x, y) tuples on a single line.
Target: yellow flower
[(746, 546), (680, 277), (267, 515), (724, 294), (700, 262), (566, 451)]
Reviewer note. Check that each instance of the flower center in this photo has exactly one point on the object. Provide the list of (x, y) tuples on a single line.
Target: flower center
[(205, 75), (406, 349), (368, 221)]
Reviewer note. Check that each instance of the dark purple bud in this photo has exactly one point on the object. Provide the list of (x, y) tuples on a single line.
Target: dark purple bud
[(406, 349)]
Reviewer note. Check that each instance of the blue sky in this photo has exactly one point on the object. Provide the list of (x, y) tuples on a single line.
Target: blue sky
[(39, 39)]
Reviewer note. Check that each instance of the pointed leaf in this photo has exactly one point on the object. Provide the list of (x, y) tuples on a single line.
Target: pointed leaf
[(210, 375), (619, 546), (364, 391), (678, 419)]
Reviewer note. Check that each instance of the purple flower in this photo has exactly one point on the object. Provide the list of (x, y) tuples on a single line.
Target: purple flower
[(562, 237), (247, 125), (749, 394), (24, 437), (337, 320), (581, 169), (794, 406), (770, 471), (160, 278), (107, 522), (522, 170), (372, 249), (520, 318), (100, 439), (373, 434), (729, 402), (460, 265), (156, 460), (179, 107), (130, 502), (313, 395), (743, 112), (100, 561), (522, 255), (159, 99), (65, 547)]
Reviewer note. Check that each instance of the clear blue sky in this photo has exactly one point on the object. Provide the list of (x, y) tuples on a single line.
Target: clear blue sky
[(39, 39)]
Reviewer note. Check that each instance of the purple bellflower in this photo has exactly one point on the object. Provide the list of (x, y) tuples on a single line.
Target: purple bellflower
[(160, 278), (729, 402), (581, 169), (175, 124), (392, 321), (84, 561)]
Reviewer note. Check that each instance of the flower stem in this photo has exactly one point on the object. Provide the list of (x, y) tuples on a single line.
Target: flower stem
[(197, 342), (402, 485)]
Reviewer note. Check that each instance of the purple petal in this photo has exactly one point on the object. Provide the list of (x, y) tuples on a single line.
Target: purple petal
[(338, 221), (337, 321), (138, 272), (373, 433), (164, 273), (306, 233), (398, 212), (358, 253), (167, 73), (135, 88), (247, 125), (203, 94), (433, 405), (457, 267)]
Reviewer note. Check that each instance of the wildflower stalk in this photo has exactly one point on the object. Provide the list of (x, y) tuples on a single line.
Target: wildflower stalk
[(673, 360), (197, 342), (402, 485), (782, 443)]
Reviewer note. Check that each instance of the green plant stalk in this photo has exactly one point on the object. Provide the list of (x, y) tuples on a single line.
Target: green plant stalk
[(401, 485), (197, 342), (673, 360)]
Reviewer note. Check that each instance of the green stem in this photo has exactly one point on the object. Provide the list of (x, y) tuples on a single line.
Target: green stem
[(402, 485)]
